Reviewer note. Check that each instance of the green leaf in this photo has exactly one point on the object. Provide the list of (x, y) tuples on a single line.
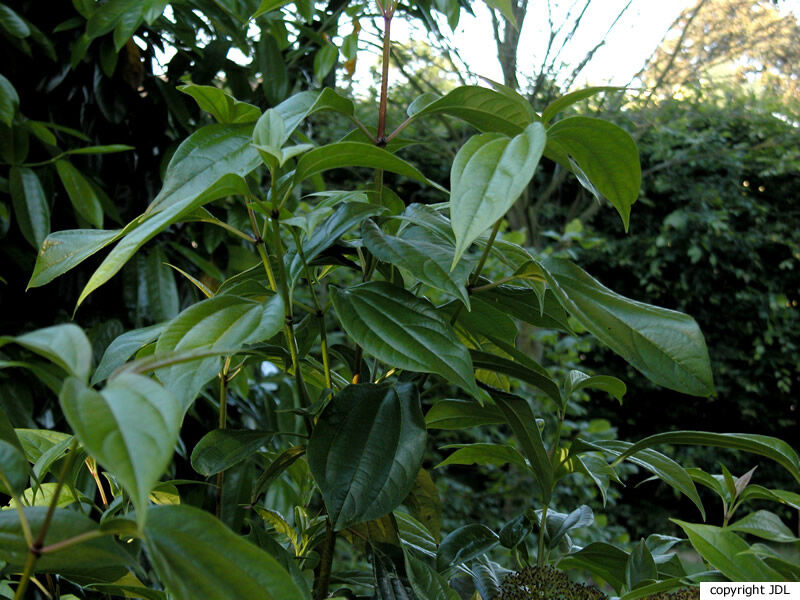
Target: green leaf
[(196, 556), (123, 347), (484, 109), (601, 560), (761, 493), (63, 250), (9, 100), (13, 24), (465, 543), (220, 449), (461, 414), (424, 503), (766, 525), (763, 445), (641, 567), (43, 494), (663, 467), (352, 154), (222, 323), (366, 450), (489, 173), (483, 454), (559, 104), (7, 433), (95, 559), (13, 469), (106, 149), (665, 345), (403, 331), (162, 291), (538, 378), (577, 380), (559, 524), (30, 205), (296, 108), (727, 552), (604, 154), (80, 192), (269, 5), (504, 6), (520, 417), (106, 16), (324, 61), (221, 105), (130, 428), (65, 345), (426, 582), (428, 261)]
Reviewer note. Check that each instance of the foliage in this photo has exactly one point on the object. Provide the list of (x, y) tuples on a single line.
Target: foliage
[(259, 429)]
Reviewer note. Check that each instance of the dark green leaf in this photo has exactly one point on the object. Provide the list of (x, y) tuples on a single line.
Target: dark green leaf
[(131, 428), (95, 559), (604, 154), (538, 378), (105, 17), (404, 331), (123, 347), (13, 24), (220, 449), (80, 192), (766, 525), (196, 556), (461, 414), (9, 100), (353, 154), (221, 105), (520, 417), (559, 104), (576, 380), (559, 524), (602, 560), (667, 346), (13, 469), (65, 345), (366, 450), (426, 582), (641, 567), (464, 544), (483, 454), (269, 5), (162, 291), (488, 174), (30, 205)]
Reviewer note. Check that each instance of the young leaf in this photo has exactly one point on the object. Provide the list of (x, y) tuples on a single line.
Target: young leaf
[(131, 428), (366, 450), (404, 331), (30, 205), (604, 154), (489, 173), (196, 556), (665, 345)]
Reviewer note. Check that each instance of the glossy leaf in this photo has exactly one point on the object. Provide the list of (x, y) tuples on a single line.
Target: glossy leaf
[(576, 380), (461, 414), (726, 551), (196, 556), (484, 109), (464, 544), (30, 205), (483, 454), (559, 104), (220, 449), (641, 567), (560, 524), (763, 445), (221, 105), (353, 154), (131, 428), (98, 559), (65, 345), (81, 193), (488, 174), (222, 323), (766, 525), (426, 582), (604, 154), (601, 560), (427, 261), (665, 345), (538, 378), (403, 331), (123, 347), (520, 417), (366, 450)]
